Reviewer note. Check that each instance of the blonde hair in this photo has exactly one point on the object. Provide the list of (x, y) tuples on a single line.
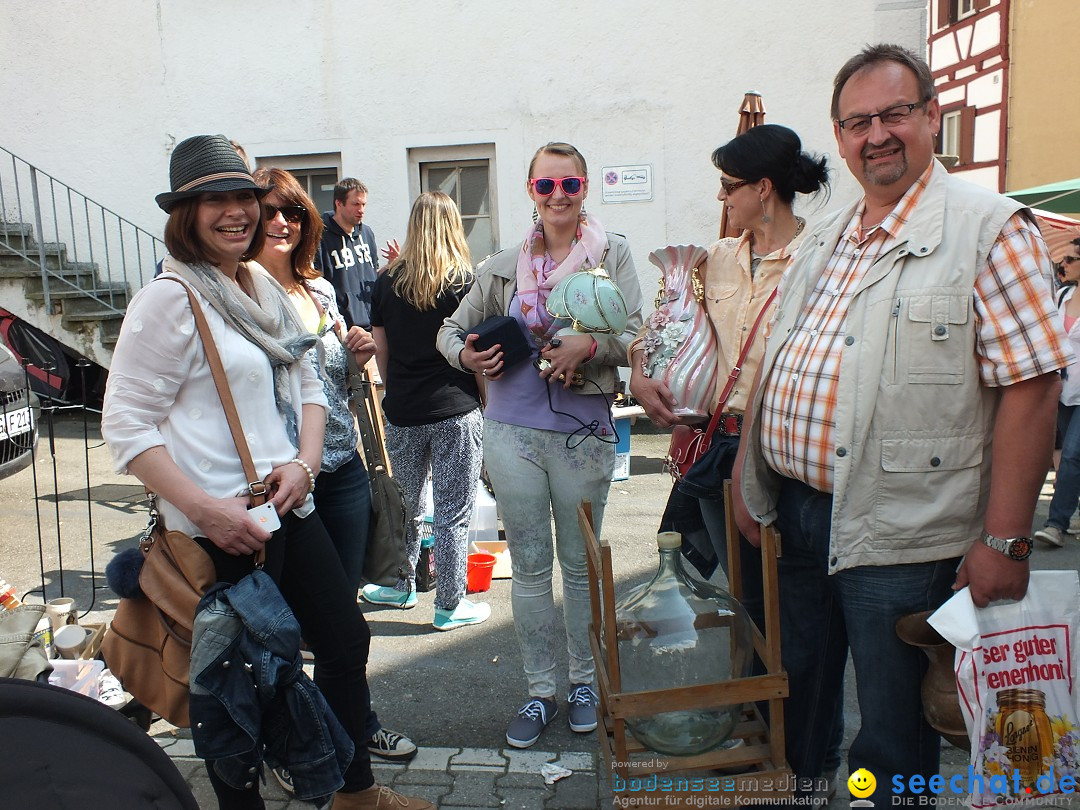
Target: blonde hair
[(435, 257)]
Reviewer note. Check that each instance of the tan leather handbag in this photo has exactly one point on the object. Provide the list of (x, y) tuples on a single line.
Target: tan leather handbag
[(148, 646)]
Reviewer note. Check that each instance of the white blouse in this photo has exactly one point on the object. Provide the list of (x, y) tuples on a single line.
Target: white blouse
[(160, 392), (1070, 387)]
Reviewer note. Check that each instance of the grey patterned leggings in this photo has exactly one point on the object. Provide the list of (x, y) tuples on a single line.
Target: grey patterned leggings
[(535, 477), (452, 451)]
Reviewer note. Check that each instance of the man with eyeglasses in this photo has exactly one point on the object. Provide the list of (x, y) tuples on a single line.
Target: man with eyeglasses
[(902, 425)]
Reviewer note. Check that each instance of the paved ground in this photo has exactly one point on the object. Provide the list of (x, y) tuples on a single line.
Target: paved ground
[(452, 692)]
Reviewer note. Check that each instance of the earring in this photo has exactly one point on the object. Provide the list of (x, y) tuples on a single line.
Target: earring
[(536, 215), (764, 217)]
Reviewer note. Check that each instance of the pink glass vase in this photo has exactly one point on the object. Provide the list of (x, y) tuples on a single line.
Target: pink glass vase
[(680, 345)]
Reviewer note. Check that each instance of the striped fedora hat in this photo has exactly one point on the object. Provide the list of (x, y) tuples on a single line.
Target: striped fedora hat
[(206, 163)]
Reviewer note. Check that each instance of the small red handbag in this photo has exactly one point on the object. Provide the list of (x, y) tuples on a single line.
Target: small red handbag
[(691, 442)]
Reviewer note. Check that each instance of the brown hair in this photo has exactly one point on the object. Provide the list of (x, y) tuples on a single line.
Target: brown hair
[(344, 186), (560, 148), (875, 55), (184, 244), (311, 229)]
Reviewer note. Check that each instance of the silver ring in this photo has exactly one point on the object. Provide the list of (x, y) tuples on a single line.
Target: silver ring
[(483, 373)]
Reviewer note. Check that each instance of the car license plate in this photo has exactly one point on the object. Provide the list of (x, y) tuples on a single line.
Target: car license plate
[(13, 423)]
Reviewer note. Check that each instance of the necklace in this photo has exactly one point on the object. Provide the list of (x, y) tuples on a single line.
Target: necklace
[(798, 229)]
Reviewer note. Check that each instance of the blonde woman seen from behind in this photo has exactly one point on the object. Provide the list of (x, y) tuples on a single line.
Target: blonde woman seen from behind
[(434, 424)]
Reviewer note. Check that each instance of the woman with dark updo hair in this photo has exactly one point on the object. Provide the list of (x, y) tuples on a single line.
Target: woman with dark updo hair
[(761, 171)]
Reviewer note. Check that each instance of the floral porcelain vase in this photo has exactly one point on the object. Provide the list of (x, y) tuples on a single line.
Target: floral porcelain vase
[(680, 345)]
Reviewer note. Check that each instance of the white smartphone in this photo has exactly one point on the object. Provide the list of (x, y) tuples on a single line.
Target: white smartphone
[(265, 517)]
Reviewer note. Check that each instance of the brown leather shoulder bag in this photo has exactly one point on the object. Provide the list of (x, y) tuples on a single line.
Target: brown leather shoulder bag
[(148, 646)]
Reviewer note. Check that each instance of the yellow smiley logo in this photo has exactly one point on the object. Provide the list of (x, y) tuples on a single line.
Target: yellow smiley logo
[(862, 783)]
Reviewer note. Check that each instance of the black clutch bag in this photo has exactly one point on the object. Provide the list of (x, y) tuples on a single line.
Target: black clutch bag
[(504, 330)]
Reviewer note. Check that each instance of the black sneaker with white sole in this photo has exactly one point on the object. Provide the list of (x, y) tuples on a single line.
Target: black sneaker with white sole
[(531, 720), (284, 779), (391, 745), (582, 700)]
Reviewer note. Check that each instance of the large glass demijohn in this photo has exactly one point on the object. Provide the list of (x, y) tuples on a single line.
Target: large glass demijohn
[(677, 631)]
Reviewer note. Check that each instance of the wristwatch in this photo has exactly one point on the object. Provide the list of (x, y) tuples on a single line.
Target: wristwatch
[(1015, 548)]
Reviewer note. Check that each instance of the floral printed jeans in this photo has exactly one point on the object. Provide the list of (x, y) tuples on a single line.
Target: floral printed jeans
[(450, 450), (535, 477)]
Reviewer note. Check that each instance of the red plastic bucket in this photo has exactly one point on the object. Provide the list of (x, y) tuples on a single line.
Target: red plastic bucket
[(478, 568)]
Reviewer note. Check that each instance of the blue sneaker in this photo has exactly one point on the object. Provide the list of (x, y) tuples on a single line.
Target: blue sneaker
[(381, 595), (465, 613), (532, 718)]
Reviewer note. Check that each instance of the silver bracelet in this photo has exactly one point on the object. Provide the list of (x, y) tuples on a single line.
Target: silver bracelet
[(307, 469)]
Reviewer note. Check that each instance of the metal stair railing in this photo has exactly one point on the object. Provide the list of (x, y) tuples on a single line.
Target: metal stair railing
[(93, 250)]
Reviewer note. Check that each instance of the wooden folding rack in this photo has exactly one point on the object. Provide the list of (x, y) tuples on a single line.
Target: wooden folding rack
[(722, 778)]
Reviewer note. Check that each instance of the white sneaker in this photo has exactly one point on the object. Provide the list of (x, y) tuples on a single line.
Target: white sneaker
[(1074, 525), (110, 692), (1051, 535)]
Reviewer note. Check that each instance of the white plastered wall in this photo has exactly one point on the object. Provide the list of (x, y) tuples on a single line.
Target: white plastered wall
[(98, 94)]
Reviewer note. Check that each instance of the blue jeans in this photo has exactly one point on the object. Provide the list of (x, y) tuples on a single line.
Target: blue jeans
[(343, 501), (1067, 484), (713, 513), (822, 617)]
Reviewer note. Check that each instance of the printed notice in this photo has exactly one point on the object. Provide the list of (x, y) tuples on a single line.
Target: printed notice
[(627, 183)]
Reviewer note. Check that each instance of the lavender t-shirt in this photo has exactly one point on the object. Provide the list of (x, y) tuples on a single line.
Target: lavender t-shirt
[(520, 397)]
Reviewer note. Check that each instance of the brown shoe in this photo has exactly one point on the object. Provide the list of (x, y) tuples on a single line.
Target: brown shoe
[(379, 797)]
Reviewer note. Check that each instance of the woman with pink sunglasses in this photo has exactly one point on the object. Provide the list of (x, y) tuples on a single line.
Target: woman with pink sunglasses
[(548, 437)]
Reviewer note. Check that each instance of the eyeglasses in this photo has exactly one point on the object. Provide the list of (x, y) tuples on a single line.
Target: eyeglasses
[(892, 117), (1067, 260), (545, 186), (292, 213), (730, 185)]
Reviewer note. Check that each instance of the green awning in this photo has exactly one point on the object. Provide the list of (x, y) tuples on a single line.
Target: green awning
[(1062, 197)]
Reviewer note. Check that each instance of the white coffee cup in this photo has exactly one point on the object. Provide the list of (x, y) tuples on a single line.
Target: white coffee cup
[(70, 640), (61, 612)]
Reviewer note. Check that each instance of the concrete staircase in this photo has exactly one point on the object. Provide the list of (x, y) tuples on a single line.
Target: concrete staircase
[(84, 313), (75, 287)]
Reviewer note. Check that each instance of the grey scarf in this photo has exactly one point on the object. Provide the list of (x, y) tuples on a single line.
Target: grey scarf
[(268, 320)]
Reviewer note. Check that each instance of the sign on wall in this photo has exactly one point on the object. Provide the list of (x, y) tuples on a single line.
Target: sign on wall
[(627, 183)]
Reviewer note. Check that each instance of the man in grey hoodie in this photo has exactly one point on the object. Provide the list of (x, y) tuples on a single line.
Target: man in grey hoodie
[(347, 254)]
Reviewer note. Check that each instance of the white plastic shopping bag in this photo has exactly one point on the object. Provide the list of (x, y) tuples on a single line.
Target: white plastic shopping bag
[(1016, 673)]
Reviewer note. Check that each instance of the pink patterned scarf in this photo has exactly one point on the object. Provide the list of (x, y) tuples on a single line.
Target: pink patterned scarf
[(537, 274)]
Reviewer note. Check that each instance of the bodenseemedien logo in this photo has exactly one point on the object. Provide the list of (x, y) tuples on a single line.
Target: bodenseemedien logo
[(862, 785)]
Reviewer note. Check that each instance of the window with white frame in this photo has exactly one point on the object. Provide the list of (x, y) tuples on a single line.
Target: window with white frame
[(467, 175), (316, 173), (950, 133), (966, 7)]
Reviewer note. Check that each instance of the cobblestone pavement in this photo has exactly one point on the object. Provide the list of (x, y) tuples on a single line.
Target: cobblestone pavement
[(464, 778)]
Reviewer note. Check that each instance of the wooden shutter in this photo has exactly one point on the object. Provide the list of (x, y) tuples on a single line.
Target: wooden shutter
[(943, 13), (967, 135), (981, 4)]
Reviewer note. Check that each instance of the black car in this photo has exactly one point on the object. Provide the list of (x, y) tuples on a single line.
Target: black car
[(18, 416)]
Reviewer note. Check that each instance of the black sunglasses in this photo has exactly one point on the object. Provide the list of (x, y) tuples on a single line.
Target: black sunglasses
[(292, 213), (1067, 260)]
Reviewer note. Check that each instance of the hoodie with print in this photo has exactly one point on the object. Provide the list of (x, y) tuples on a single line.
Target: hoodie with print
[(351, 263)]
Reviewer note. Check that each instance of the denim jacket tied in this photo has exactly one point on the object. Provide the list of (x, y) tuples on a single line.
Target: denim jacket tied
[(250, 698)]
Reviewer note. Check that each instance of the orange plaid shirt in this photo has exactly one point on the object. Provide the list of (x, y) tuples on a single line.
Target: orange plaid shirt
[(1017, 335)]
